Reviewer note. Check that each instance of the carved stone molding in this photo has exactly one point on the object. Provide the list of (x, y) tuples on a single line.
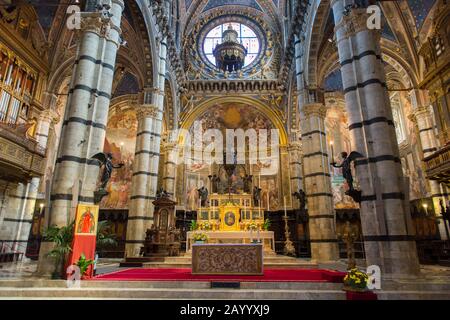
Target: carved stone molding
[(236, 86), (146, 111), (353, 23), (49, 116), (420, 112)]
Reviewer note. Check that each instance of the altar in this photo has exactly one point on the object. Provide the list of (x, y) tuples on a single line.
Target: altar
[(227, 259), (266, 238), (231, 219)]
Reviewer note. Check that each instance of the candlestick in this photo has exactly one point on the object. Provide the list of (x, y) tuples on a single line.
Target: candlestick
[(285, 211), (268, 201), (332, 152)]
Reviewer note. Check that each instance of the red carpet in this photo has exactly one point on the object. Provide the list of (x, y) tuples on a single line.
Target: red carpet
[(270, 275)]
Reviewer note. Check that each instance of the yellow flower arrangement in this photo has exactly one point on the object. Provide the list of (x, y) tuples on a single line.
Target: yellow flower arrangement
[(355, 279), (200, 236)]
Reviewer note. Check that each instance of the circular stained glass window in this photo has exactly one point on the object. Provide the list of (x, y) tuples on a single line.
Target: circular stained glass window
[(246, 36)]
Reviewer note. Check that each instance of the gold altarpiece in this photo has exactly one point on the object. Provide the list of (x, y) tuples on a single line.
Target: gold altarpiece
[(231, 218)]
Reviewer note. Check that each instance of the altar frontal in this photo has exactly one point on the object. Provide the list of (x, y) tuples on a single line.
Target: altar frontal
[(227, 259)]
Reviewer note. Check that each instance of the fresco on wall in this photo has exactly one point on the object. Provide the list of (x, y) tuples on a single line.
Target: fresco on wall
[(338, 188), (233, 116), (411, 170), (120, 141)]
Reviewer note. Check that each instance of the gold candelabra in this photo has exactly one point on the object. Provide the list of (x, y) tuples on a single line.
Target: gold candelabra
[(349, 236), (289, 249)]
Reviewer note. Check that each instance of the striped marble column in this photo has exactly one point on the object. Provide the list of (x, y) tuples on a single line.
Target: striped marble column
[(26, 215), (14, 206), (146, 162), (170, 166), (317, 181), (84, 126), (423, 118), (386, 223), (296, 170)]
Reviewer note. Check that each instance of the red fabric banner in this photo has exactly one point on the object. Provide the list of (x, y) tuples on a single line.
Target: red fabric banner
[(85, 236)]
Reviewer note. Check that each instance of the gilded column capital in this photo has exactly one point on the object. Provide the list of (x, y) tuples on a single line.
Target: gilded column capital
[(146, 111), (315, 109), (49, 116), (103, 27), (353, 23), (93, 22), (294, 146), (420, 112)]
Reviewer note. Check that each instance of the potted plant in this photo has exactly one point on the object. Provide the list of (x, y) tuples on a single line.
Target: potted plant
[(355, 285), (104, 239), (62, 239), (266, 225), (200, 237), (193, 226), (84, 264), (355, 280), (104, 236)]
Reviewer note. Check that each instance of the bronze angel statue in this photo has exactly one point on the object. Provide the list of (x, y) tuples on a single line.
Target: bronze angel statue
[(106, 161), (347, 172)]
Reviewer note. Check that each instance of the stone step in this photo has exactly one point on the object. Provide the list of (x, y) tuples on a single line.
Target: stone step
[(108, 284), (170, 293), (413, 295)]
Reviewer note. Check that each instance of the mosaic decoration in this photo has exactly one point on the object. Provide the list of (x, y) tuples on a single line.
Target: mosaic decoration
[(217, 3), (420, 10)]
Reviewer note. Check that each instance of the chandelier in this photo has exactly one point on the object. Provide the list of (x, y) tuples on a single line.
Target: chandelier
[(230, 54)]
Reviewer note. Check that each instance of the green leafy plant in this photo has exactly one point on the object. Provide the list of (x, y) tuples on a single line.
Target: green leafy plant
[(200, 236), (104, 236), (62, 239), (193, 226), (84, 264), (266, 224), (356, 280)]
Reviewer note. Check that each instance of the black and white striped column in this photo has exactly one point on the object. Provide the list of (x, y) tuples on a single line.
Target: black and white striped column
[(296, 170), (21, 205), (316, 175), (84, 126), (170, 168), (386, 223), (317, 181), (423, 118), (146, 162)]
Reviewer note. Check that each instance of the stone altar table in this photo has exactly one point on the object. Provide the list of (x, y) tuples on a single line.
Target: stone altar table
[(227, 259), (267, 238)]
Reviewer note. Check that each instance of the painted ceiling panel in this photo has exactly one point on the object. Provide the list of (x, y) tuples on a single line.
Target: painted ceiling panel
[(46, 10), (420, 10)]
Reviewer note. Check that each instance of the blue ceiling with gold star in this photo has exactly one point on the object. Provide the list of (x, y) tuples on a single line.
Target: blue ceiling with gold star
[(420, 10)]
